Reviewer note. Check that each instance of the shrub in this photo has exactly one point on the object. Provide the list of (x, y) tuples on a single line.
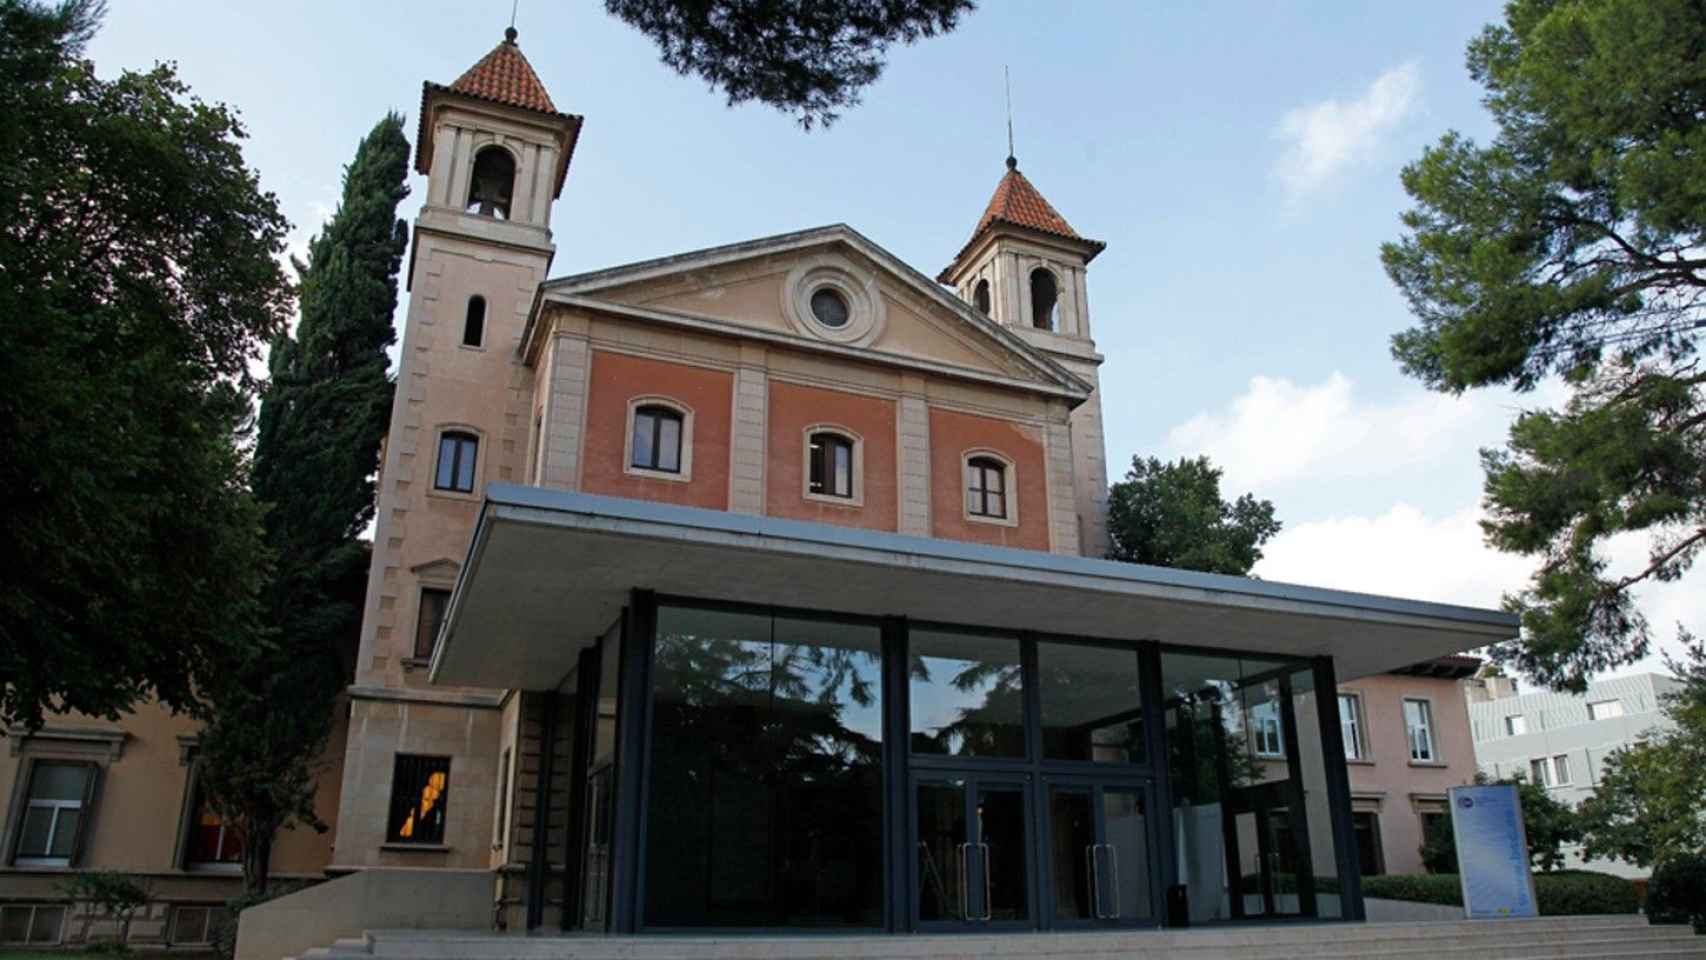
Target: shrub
[(113, 893), (1560, 893), (1677, 892)]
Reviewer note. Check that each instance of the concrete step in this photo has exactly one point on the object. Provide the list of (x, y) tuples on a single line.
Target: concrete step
[(1552, 938)]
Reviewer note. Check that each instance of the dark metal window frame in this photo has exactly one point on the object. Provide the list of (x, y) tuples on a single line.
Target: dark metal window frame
[(22, 801), (410, 773), (821, 470), (658, 414), (987, 466), (900, 765), (463, 447)]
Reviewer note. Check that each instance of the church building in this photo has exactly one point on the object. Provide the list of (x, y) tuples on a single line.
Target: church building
[(760, 588)]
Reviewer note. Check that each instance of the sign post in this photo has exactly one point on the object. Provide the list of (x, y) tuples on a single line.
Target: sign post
[(1492, 852)]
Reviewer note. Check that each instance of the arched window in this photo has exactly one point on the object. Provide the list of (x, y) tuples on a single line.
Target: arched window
[(831, 468), (457, 454), (980, 297), (1044, 299), (474, 330), (493, 183), (657, 439), (986, 488)]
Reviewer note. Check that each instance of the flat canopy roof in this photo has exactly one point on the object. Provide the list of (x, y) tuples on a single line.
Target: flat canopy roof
[(550, 570)]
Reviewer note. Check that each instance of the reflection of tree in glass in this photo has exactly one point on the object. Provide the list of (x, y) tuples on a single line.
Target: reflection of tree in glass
[(992, 727), (1196, 743), (766, 803)]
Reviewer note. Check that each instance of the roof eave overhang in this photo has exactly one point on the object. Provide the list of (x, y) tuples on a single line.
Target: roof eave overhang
[(1086, 249), (549, 570)]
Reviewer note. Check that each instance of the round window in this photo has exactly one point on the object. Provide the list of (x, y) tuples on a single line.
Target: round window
[(830, 308)]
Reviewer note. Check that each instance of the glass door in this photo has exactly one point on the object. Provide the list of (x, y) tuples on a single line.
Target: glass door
[(972, 867), (1100, 871)]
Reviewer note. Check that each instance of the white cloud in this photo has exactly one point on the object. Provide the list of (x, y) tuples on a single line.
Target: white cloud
[(1278, 433), (1404, 552), (1323, 139)]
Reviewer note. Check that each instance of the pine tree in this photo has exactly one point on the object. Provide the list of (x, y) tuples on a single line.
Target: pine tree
[(323, 417)]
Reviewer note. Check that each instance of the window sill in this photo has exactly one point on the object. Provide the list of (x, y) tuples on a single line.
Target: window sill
[(416, 663), (834, 501), (1438, 764), (991, 521), (1359, 761), (226, 869), (416, 847), (643, 472), (471, 496)]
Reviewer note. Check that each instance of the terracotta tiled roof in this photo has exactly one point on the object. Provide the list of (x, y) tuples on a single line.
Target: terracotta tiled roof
[(504, 76), (1017, 203)]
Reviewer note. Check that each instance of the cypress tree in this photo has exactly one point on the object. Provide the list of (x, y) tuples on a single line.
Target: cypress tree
[(323, 417)]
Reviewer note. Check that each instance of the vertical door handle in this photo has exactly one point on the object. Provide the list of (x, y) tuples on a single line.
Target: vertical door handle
[(1114, 868), (1095, 872), (988, 900), (965, 882)]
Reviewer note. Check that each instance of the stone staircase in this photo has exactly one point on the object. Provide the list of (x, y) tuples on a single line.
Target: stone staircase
[(1577, 938)]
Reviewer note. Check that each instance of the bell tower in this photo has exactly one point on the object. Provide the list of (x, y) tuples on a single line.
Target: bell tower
[(495, 151), (1024, 268)]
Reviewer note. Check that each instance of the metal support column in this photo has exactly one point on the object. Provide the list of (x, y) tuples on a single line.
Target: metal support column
[(1338, 790)]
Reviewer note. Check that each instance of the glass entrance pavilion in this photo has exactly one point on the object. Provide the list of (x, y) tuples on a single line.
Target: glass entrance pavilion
[(788, 726)]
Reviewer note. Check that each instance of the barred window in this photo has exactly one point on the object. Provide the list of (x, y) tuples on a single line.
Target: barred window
[(420, 790)]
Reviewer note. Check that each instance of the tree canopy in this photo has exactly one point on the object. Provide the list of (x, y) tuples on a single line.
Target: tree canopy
[(1574, 245), (323, 416), (809, 58), (138, 278), (1172, 515), (1647, 806)]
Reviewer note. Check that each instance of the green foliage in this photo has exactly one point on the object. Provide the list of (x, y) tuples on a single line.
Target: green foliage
[(1548, 821), (323, 416), (117, 895), (1439, 846), (1647, 806), (1560, 893), (810, 58), (1172, 515), (1571, 245), (1677, 891), (138, 278)]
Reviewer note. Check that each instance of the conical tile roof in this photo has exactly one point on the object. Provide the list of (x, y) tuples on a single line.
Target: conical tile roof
[(504, 76), (1018, 203)]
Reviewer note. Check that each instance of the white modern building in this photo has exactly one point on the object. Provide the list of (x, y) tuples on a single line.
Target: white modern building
[(1562, 740)]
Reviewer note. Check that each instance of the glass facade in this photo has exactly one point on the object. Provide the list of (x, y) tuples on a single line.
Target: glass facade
[(811, 771), (765, 805)]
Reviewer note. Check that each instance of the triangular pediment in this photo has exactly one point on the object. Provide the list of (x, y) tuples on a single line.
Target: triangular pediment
[(764, 286), (443, 568)]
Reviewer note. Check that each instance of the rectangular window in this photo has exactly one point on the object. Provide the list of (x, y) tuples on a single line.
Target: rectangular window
[(212, 840), (1091, 699), (968, 695), (986, 488), (457, 454), (1350, 726), (53, 813), (1540, 772), (831, 467), (33, 923), (1516, 725), (420, 788), (195, 925), (1605, 709), (1561, 770), (1419, 726), (1369, 856), (656, 443), (429, 620), (1265, 730)]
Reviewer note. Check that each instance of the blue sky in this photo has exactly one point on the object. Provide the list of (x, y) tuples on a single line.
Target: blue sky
[(1240, 160)]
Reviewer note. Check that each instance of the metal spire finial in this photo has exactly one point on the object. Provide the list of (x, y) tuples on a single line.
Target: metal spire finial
[(510, 33), (1007, 82)]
